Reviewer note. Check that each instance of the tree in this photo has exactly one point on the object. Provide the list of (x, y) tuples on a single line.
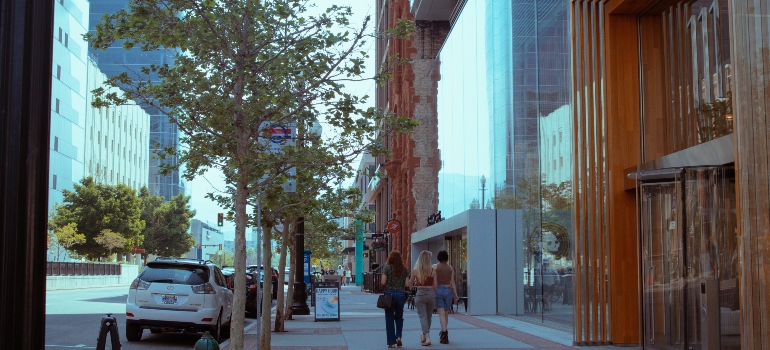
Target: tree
[(66, 237), (242, 68), (167, 225), (223, 258), (110, 240), (95, 207)]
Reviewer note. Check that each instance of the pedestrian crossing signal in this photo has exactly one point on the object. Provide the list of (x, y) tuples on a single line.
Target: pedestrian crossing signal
[(366, 255), (221, 219)]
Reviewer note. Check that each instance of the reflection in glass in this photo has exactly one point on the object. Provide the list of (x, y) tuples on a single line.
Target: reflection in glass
[(504, 116)]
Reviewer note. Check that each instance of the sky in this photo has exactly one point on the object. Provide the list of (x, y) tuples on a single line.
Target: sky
[(206, 210)]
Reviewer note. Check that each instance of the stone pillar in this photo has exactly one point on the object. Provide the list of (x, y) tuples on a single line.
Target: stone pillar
[(415, 163)]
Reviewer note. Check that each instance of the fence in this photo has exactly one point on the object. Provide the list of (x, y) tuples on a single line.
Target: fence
[(371, 282), (57, 268)]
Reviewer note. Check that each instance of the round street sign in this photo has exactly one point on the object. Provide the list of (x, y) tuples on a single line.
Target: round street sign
[(393, 226)]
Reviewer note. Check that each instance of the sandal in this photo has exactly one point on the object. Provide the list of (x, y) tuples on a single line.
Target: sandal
[(391, 346)]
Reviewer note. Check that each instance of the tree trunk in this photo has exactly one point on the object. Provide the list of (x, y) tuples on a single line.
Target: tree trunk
[(239, 260), (264, 339), (281, 267)]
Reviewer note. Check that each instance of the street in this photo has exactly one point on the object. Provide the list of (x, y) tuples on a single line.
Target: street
[(73, 318)]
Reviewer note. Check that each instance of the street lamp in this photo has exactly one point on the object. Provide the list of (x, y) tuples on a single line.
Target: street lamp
[(299, 304), (483, 190)]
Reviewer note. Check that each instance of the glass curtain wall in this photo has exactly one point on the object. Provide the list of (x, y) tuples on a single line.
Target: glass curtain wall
[(463, 114), (116, 60), (504, 125)]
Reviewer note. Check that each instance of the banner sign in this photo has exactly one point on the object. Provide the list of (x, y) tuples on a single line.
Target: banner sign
[(327, 301)]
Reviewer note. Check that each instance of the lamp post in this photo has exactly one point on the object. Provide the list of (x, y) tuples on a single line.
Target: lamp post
[(483, 190), (299, 304)]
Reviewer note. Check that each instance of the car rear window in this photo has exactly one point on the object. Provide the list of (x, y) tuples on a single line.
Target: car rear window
[(176, 274)]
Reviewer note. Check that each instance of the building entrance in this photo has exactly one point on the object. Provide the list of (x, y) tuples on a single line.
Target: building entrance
[(689, 253)]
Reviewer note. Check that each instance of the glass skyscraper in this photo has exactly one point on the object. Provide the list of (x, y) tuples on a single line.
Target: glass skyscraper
[(116, 60), (504, 124), (68, 98)]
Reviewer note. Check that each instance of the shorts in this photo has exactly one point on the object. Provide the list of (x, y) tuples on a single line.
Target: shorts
[(444, 298)]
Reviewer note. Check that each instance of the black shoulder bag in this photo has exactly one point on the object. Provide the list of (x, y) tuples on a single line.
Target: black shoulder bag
[(385, 301)]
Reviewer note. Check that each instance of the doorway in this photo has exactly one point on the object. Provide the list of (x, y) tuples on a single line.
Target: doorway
[(689, 252)]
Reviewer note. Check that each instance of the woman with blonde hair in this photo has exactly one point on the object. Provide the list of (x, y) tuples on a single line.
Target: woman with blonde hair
[(394, 275), (423, 277)]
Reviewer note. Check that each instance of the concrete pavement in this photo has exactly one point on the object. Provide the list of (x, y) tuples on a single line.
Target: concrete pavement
[(362, 326)]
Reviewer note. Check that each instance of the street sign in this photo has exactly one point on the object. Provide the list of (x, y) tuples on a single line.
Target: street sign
[(275, 137), (393, 226), (327, 301)]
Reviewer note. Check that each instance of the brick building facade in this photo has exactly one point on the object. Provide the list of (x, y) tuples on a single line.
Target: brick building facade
[(414, 164)]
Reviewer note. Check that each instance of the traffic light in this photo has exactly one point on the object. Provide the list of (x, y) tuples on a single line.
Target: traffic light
[(220, 246), (221, 219)]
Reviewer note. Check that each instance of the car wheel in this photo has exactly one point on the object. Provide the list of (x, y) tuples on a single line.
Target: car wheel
[(217, 332), (133, 332), (225, 332)]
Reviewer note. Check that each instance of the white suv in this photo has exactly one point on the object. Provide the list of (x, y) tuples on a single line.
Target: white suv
[(179, 295)]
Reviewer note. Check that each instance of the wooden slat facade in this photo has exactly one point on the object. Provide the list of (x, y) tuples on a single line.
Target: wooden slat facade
[(750, 33), (638, 83)]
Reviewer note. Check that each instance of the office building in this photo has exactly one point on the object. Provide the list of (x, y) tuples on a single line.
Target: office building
[(116, 60), (620, 141)]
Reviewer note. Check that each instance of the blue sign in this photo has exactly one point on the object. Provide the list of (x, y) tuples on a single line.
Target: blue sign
[(307, 267)]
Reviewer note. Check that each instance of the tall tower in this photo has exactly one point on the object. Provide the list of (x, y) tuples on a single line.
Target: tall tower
[(116, 60)]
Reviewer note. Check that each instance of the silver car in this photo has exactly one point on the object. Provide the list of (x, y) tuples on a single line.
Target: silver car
[(179, 295)]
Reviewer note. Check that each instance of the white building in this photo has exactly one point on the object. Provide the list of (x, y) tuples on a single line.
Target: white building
[(117, 139)]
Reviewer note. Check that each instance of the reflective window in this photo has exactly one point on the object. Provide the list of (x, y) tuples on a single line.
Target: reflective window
[(502, 99)]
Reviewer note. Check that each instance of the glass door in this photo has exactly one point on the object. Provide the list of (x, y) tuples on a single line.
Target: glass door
[(689, 251), (662, 250)]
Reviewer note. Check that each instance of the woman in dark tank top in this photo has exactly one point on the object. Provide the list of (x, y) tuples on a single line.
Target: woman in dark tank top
[(446, 293)]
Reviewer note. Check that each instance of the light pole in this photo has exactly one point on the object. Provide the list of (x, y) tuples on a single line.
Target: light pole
[(483, 190), (299, 305)]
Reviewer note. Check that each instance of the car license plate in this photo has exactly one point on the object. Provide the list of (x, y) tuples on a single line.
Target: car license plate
[(169, 299)]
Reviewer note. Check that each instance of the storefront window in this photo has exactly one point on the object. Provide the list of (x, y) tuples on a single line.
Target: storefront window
[(504, 126)]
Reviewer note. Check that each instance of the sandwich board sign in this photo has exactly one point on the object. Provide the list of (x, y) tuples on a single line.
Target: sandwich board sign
[(327, 301)]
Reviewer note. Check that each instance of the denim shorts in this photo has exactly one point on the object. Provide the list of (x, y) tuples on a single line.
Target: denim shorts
[(444, 298)]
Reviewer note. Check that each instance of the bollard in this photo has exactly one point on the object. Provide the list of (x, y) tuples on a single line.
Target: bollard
[(109, 324), (206, 343)]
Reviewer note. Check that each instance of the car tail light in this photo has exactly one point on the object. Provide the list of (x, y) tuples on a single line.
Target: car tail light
[(205, 288), (128, 314), (139, 284), (207, 319)]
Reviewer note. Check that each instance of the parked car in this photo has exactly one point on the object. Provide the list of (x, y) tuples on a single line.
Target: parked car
[(179, 295), (251, 288), (274, 276)]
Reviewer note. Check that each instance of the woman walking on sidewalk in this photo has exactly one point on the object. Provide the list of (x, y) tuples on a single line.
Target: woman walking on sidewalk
[(425, 298), (445, 279), (394, 275)]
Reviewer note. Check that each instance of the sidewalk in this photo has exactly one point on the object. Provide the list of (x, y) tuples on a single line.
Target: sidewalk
[(362, 326)]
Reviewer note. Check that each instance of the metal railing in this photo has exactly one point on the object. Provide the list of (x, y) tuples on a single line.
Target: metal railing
[(371, 282), (57, 268)]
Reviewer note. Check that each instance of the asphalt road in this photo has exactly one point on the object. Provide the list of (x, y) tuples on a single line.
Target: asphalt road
[(73, 318)]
